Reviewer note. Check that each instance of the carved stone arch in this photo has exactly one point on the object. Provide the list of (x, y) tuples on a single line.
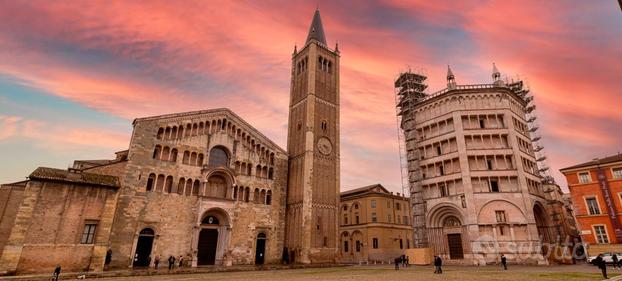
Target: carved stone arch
[(437, 214), (227, 175), (512, 210), (221, 214)]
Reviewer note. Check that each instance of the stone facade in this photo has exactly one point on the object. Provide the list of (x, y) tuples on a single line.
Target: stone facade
[(475, 185), (375, 225), (185, 167)]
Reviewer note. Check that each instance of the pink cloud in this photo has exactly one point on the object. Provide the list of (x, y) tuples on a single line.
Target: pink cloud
[(134, 59)]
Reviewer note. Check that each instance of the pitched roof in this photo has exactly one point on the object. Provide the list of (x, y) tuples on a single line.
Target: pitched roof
[(44, 173), (608, 159), (370, 188), (316, 31)]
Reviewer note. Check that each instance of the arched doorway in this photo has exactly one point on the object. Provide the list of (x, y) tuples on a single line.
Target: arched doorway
[(357, 246), (260, 249), (453, 228), (208, 241), (213, 237), (143, 247), (541, 223)]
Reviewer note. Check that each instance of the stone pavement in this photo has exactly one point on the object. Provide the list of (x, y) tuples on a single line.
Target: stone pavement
[(580, 272)]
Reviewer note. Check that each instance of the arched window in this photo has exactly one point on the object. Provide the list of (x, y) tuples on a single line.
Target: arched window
[(186, 159), (180, 186), (235, 193), (218, 157), (174, 155), (188, 130), (237, 167), (249, 168), (247, 194), (195, 129), (160, 133), (262, 195), (151, 181), (174, 132), (193, 158), (195, 187), (200, 159), (167, 133), (189, 187), (160, 183), (240, 194), (243, 168), (264, 172), (169, 184), (270, 173), (271, 158), (156, 152), (165, 153), (269, 197), (256, 196), (201, 128), (258, 171), (180, 134)]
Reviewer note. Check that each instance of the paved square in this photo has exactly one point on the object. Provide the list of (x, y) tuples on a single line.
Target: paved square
[(580, 272)]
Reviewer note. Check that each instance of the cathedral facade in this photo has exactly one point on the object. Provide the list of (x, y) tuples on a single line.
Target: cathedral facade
[(203, 186)]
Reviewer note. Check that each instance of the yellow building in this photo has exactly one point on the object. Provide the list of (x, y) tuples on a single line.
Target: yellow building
[(374, 225)]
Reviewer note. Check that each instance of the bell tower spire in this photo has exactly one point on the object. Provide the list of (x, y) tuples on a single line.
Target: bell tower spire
[(316, 31)]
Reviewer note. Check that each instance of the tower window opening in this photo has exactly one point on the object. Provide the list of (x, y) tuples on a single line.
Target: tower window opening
[(494, 186)]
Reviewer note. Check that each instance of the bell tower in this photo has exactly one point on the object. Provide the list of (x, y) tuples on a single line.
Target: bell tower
[(313, 147)]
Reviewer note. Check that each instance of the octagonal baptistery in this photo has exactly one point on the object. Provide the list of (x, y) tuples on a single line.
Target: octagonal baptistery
[(202, 185), (473, 168)]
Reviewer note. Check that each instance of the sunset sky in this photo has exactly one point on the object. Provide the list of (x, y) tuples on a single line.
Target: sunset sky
[(74, 74)]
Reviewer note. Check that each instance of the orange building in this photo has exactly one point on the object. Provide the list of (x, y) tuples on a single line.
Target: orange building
[(596, 190)]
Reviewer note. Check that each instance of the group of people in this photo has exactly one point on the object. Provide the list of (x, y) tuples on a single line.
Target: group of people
[(172, 262), (602, 263), (401, 260)]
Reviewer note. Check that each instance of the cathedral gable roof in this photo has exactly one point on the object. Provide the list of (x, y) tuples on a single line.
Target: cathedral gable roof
[(230, 115)]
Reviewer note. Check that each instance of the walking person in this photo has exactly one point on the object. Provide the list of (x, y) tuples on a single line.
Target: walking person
[(156, 261), (504, 262), (171, 262), (396, 261), (615, 261), (181, 261), (438, 263), (56, 273), (602, 265)]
